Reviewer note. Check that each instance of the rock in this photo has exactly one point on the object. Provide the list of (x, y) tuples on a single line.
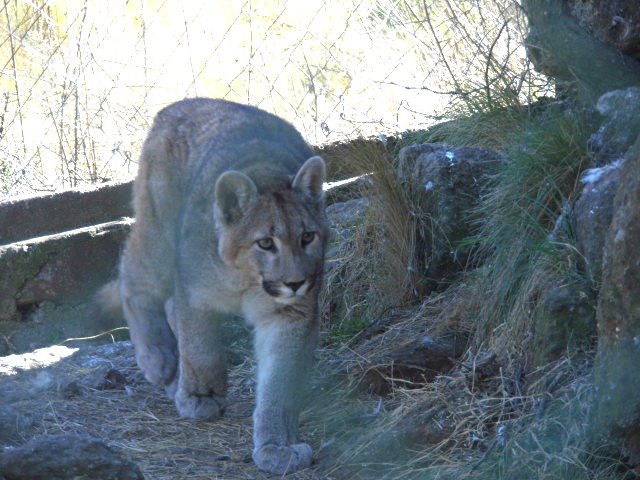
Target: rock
[(618, 401), (447, 183), (592, 214), (343, 215), (343, 218), (614, 22), (565, 322), (620, 126), (23, 218), (346, 213), (66, 457), (565, 46), (594, 209), (104, 378)]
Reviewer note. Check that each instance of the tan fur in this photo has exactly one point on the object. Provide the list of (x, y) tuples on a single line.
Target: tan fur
[(229, 220), (107, 301)]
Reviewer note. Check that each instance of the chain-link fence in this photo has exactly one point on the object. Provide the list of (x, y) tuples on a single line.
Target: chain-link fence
[(80, 80)]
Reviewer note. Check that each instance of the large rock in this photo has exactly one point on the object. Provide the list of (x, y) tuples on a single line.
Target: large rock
[(620, 124), (614, 22), (344, 215), (568, 48), (592, 215), (617, 408), (66, 457), (594, 209), (447, 183), (565, 322)]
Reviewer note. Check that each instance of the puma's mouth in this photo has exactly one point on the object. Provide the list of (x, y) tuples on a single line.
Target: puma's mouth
[(287, 292), (272, 288)]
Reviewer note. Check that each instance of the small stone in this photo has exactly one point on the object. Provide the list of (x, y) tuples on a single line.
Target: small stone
[(65, 457), (104, 378)]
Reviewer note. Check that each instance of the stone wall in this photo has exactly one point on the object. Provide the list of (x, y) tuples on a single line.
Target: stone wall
[(60, 247)]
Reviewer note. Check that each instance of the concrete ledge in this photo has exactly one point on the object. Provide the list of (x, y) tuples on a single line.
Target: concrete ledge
[(22, 218), (62, 268), (26, 217), (59, 248)]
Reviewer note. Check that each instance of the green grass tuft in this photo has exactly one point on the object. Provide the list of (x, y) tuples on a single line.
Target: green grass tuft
[(522, 229)]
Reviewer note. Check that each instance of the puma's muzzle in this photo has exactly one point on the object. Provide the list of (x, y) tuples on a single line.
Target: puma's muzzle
[(287, 292)]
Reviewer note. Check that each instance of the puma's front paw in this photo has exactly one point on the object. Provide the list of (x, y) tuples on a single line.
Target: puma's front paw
[(199, 406), (281, 460)]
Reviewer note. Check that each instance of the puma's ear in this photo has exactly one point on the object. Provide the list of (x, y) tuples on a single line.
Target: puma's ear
[(235, 192), (310, 178)]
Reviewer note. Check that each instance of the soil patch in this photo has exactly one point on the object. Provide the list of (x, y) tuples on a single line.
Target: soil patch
[(98, 390)]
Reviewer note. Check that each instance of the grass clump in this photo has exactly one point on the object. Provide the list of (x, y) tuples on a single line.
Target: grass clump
[(523, 229), (373, 273), (516, 403)]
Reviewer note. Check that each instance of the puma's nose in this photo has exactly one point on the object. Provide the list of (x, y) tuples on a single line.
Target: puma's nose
[(294, 286)]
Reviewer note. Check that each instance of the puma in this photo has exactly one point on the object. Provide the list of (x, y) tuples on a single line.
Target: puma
[(230, 220)]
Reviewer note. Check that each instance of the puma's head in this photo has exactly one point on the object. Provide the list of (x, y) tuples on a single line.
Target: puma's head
[(276, 236)]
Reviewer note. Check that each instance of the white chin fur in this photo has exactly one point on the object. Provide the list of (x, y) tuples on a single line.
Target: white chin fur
[(286, 300), (287, 296)]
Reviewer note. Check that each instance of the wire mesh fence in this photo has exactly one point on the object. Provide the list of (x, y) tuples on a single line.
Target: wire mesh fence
[(80, 80)]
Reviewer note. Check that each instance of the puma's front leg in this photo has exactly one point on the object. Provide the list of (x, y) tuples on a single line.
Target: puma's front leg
[(284, 350), (202, 376)]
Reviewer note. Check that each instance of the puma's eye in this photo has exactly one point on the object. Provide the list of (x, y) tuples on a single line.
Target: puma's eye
[(266, 243), (307, 238)]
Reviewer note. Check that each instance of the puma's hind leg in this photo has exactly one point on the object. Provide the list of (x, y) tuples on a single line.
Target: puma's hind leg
[(146, 266), (153, 341), (144, 280)]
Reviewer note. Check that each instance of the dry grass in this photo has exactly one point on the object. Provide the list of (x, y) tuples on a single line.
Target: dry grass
[(497, 413), (469, 423), (373, 270), (482, 419), (476, 421)]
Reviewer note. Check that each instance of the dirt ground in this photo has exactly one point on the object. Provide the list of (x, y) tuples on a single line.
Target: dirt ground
[(98, 390)]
